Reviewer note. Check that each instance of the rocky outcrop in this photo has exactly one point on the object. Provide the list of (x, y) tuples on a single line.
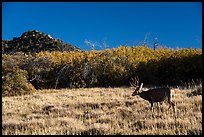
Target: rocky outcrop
[(34, 41)]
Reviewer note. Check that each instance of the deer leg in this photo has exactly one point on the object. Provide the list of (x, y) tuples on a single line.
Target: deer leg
[(151, 101), (151, 105), (169, 101), (171, 104)]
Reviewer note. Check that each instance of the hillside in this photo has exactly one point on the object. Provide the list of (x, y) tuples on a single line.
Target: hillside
[(34, 41)]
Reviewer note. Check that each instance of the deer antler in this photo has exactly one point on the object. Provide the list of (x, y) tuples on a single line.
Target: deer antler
[(134, 82)]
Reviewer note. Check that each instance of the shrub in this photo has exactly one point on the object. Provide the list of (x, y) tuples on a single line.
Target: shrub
[(15, 83), (109, 67)]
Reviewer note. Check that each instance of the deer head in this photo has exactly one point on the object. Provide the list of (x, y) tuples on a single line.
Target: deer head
[(135, 83)]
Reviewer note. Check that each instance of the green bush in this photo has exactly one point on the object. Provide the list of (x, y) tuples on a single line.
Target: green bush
[(15, 83)]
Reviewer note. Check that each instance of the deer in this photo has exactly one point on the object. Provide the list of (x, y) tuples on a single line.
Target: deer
[(154, 94)]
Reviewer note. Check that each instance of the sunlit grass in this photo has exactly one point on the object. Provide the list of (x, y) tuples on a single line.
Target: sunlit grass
[(99, 111)]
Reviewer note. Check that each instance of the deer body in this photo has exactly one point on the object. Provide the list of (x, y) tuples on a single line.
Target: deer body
[(155, 94)]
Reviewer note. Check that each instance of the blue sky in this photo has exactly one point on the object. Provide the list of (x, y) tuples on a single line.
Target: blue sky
[(174, 24)]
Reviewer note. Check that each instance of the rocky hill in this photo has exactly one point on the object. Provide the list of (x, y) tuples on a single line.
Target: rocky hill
[(34, 41)]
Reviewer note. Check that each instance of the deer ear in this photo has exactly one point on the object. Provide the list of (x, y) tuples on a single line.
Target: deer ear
[(141, 86)]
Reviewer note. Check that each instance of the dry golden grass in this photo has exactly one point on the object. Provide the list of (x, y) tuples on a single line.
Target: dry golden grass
[(99, 111)]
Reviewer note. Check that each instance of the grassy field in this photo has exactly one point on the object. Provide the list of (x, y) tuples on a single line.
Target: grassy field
[(99, 111)]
